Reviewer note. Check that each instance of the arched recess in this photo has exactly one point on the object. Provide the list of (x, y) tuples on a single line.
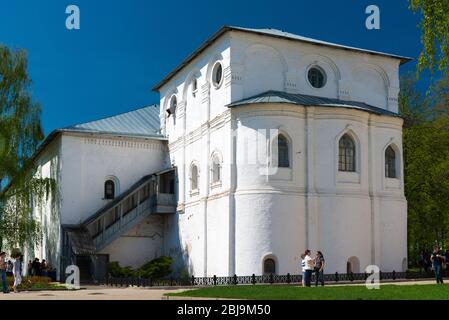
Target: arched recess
[(404, 264), (270, 264), (332, 73), (370, 84), (116, 187), (264, 69), (353, 265), (216, 167), (194, 176), (193, 74)]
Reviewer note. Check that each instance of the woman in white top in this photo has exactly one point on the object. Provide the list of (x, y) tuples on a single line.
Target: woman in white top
[(17, 270), (309, 266)]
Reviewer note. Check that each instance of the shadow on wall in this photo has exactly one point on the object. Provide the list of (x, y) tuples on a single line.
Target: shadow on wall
[(182, 264)]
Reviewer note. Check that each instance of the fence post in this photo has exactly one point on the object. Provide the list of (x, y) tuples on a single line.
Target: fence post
[(336, 276), (235, 279), (380, 275), (351, 276), (253, 279), (271, 278), (215, 280), (193, 280), (394, 275), (288, 278), (171, 281)]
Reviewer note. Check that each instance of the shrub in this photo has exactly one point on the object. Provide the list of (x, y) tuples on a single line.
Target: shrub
[(30, 282), (157, 268), (115, 270), (185, 277)]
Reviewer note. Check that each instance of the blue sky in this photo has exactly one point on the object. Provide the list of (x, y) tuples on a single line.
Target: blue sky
[(125, 47)]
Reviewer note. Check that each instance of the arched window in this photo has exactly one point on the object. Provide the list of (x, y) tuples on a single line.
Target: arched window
[(109, 189), (346, 154), (194, 177), (269, 266), (390, 163), (283, 153), (216, 169), (172, 105)]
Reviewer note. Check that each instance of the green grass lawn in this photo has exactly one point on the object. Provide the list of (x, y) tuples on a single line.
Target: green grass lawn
[(281, 292)]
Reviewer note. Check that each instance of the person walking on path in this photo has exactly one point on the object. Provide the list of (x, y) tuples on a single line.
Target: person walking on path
[(3, 267), (319, 268), (308, 268), (438, 259), (17, 270)]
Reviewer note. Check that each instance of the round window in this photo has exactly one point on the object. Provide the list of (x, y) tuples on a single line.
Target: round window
[(217, 74), (316, 77)]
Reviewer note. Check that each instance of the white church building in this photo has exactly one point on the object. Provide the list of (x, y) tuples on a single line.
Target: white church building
[(264, 144)]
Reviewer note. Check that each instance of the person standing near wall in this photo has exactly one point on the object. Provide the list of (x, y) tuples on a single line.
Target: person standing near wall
[(437, 259), (308, 268), (3, 267), (303, 268), (319, 268)]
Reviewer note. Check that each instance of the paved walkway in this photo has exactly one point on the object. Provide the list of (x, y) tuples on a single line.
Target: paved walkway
[(130, 293)]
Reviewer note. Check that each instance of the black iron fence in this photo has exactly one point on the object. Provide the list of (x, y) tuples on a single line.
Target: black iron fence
[(265, 279)]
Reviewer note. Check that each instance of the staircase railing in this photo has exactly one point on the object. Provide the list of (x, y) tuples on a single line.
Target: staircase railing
[(126, 211)]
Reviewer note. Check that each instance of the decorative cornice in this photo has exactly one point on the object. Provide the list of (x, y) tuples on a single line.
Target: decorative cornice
[(122, 143)]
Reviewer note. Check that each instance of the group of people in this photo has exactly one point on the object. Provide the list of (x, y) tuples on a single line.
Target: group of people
[(425, 262), (310, 265), (16, 269), (38, 268)]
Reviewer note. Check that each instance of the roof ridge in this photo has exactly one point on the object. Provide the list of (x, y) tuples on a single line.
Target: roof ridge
[(108, 117)]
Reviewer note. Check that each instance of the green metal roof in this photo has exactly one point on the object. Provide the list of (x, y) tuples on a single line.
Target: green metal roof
[(307, 100)]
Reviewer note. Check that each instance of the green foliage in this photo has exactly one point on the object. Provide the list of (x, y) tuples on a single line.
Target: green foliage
[(115, 270), (32, 282), (156, 269), (185, 277), (435, 34), (20, 135), (426, 166)]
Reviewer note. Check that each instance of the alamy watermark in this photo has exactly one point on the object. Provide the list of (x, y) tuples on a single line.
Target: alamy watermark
[(73, 21), (372, 22), (373, 280), (73, 277)]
